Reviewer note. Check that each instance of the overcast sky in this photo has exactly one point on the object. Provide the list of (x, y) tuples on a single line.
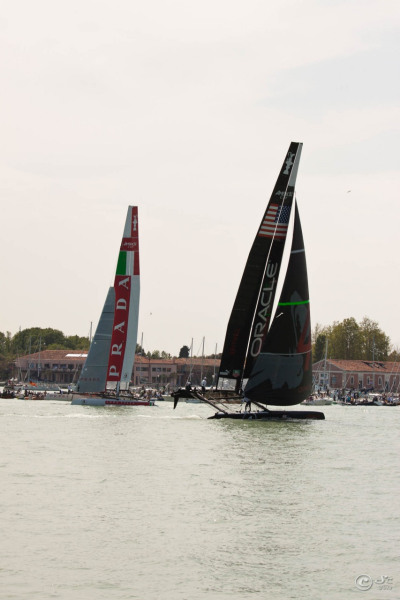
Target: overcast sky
[(186, 109)]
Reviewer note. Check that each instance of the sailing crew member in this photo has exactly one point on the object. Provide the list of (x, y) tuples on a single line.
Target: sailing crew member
[(203, 385), (248, 404)]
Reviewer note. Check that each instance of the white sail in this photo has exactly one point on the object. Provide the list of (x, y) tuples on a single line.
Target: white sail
[(93, 376)]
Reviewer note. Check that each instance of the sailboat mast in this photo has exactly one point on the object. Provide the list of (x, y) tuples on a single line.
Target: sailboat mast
[(215, 358), (28, 375), (191, 361), (326, 353), (39, 365), (202, 361)]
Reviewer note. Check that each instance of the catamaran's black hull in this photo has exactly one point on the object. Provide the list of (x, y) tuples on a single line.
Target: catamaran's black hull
[(260, 415), (271, 415)]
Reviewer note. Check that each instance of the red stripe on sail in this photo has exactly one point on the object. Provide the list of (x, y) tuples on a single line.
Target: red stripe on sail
[(136, 266), (133, 242), (122, 286), (135, 222)]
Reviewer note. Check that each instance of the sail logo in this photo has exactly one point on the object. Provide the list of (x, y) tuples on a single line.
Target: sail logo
[(122, 286), (264, 309), (288, 163), (129, 244), (282, 194)]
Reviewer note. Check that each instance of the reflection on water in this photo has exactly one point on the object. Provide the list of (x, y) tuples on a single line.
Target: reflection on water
[(154, 503)]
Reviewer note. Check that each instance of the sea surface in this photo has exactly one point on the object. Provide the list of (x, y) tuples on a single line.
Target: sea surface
[(153, 503)]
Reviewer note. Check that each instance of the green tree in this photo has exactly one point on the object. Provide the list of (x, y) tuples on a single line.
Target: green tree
[(374, 343), (319, 347), (7, 344), (36, 338), (344, 339), (394, 355), (75, 342), (2, 343), (184, 352), (318, 330), (351, 341), (6, 367)]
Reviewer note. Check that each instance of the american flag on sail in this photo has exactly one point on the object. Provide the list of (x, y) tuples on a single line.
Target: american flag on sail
[(276, 222)]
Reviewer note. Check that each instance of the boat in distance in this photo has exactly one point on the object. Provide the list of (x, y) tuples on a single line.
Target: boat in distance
[(266, 358), (108, 401), (107, 371)]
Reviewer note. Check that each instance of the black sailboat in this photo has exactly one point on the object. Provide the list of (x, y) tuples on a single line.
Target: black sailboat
[(266, 358)]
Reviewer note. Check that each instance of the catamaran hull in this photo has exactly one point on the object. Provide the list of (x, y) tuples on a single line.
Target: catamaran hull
[(271, 415), (110, 402)]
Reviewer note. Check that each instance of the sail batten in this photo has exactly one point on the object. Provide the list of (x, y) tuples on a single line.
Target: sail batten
[(293, 303)]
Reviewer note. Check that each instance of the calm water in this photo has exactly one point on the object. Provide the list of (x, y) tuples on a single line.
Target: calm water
[(151, 503)]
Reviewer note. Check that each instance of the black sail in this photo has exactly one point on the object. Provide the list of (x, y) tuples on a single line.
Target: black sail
[(264, 259), (282, 373)]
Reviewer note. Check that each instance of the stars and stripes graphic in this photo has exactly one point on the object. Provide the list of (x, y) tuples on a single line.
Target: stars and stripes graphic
[(275, 222)]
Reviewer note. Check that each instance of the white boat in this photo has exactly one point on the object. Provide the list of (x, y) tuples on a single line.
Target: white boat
[(318, 401), (107, 371)]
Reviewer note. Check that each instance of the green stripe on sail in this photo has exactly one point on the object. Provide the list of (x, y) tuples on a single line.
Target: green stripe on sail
[(121, 265), (293, 303)]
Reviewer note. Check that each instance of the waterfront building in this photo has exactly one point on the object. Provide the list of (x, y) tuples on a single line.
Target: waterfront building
[(381, 376), (50, 366), (63, 367)]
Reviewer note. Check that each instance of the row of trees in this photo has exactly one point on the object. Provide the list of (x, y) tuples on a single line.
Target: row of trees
[(34, 339), (37, 339), (154, 354), (353, 341)]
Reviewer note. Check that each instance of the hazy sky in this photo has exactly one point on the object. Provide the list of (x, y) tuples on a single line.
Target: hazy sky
[(187, 109)]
